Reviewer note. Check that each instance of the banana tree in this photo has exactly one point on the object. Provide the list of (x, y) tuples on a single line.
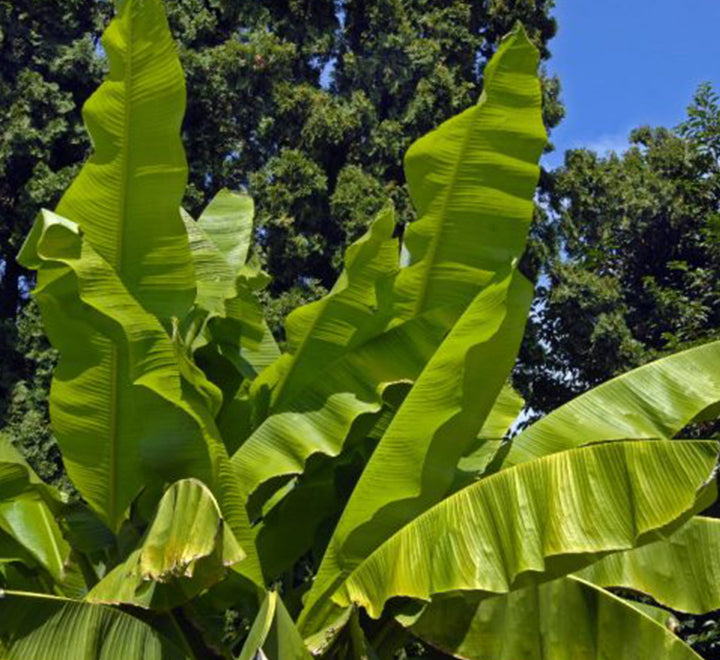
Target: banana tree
[(355, 496)]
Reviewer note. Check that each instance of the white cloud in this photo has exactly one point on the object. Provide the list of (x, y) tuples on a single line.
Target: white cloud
[(604, 144)]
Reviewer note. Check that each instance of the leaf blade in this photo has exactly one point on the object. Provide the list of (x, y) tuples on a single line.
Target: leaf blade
[(654, 401), (34, 627), (681, 572), (571, 496), (126, 197), (566, 619)]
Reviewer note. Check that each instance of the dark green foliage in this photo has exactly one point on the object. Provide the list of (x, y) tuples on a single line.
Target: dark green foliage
[(25, 411), (49, 67), (632, 258)]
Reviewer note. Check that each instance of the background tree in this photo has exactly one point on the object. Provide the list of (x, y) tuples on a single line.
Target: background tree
[(48, 51), (632, 247)]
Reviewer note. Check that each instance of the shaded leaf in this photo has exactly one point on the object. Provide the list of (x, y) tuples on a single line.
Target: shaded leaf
[(273, 635), (681, 572), (567, 619), (34, 627)]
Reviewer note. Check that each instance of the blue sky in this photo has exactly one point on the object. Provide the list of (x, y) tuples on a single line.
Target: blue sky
[(626, 63)]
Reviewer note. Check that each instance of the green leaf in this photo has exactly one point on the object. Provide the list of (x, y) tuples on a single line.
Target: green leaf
[(30, 522), (567, 619), (27, 508), (415, 462), (117, 402), (536, 521), (17, 477), (228, 222), (242, 335), (472, 182), (12, 551), (129, 408), (333, 373), (34, 627), (504, 413), (188, 527), (106, 402), (214, 276), (681, 572), (188, 547), (653, 401), (126, 197), (127, 411), (227, 321), (273, 635)]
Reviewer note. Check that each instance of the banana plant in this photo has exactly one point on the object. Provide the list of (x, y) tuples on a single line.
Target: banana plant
[(358, 494)]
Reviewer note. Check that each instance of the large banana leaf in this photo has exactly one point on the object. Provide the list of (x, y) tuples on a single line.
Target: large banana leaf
[(681, 572), (116, 401), (127, 410), (273, 635), (332, 375), (530, 523), (472, 181), (126, 198), (166, 429), (185, 551), (34, 627), (653, 401), (303, 519), (567, 619), (125, 201), (415, 462)]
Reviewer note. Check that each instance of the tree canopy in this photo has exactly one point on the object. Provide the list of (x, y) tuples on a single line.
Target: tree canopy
[(50, 64), (632, 259)]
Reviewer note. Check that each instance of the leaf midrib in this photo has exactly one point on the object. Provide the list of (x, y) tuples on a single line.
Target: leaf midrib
[(435, 240)]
